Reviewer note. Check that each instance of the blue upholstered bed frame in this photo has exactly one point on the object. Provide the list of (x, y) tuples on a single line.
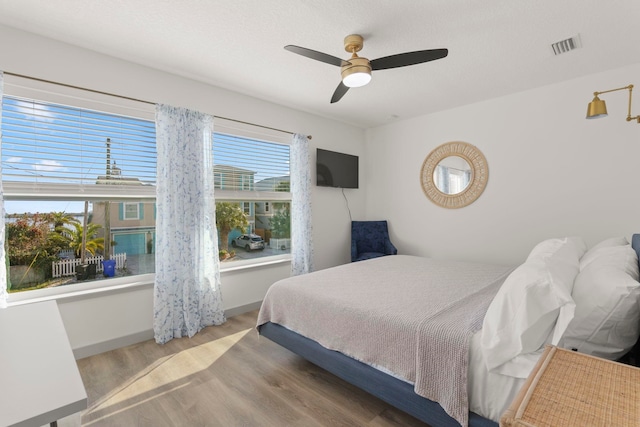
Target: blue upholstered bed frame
[(390, 389)]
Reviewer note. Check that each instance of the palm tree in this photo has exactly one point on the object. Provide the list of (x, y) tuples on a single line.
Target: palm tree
[(60, 219), (74, 237), (229, 216)]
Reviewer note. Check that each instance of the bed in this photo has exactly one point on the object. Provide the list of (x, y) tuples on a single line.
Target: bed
[(429, 337)]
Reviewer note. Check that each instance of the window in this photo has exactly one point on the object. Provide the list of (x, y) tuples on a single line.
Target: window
[(247, 182), (130, 210), (69, 175), (88, 172), (253, 175)]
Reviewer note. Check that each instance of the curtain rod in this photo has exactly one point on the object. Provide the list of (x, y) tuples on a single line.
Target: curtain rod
[(136, 100)]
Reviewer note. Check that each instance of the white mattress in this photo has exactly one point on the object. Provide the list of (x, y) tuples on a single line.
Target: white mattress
[(490, 394)]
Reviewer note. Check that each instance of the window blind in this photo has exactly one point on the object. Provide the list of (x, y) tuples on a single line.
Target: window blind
[(50, 147), (50, 150), (245, 165)]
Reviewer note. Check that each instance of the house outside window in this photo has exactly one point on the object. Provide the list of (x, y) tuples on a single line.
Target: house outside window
[(232, 178), (76, 172)]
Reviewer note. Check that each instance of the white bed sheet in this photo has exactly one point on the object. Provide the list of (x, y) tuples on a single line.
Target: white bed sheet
[(490, 394)]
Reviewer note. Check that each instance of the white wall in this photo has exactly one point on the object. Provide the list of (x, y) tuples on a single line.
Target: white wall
[(552, 173), (103, 319)]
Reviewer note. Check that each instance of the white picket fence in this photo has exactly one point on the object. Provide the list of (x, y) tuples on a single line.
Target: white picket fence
[(67, 267)]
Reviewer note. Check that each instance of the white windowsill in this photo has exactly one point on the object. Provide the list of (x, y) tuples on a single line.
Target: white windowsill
[(82, 290), (122, 284), (255, 263)]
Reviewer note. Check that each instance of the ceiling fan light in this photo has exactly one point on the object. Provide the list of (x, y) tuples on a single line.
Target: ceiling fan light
[(357, 79), (596, 109), (357, 73)]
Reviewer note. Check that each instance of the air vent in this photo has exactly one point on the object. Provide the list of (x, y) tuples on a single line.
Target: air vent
[(566, 45)]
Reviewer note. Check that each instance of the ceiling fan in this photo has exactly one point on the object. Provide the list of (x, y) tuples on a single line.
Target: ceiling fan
[(356, 71)]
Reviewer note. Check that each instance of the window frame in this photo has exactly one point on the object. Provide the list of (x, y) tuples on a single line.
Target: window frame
[(125, 217), (246, 208)]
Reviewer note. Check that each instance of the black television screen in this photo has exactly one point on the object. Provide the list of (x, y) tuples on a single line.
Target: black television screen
[(336, 169)]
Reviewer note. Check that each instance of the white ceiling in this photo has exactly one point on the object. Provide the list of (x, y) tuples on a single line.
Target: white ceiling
[(496, 47)]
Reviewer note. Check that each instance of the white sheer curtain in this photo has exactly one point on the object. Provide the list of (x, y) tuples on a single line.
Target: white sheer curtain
[(4, 262), (301, 243), (187, 286)]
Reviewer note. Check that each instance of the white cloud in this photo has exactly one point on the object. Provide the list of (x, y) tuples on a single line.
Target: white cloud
[(43, 112), (14, 160), (49, 166)]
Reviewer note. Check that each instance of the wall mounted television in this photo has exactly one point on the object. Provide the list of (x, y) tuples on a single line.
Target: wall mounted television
[(336, 169)]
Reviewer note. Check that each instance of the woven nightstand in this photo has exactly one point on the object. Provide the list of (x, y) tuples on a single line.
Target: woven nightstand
[(570, 389)]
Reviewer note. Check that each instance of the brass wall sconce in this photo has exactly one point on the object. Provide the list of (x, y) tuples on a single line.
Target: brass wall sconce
[(597, 108)]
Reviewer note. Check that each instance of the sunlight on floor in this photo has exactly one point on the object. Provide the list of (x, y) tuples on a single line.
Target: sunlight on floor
[(166, 375)]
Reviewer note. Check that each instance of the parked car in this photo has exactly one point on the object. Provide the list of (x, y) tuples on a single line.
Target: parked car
[(248, 241)]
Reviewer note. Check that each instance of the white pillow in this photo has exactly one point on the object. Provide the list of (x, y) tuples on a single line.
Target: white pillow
[(532, 308), (607, 243), (607, 297)]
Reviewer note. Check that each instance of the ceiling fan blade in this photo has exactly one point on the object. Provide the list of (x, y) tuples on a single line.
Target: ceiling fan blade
[(339, 93), (408, 58), (318, 56)]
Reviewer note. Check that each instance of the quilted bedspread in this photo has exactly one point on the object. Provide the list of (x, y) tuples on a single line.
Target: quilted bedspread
[(411, 317)]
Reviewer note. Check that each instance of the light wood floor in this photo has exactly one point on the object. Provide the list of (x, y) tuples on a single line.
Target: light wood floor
[(224, 376)]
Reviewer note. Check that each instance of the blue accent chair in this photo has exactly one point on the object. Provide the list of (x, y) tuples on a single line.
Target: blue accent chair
[(370, 239)]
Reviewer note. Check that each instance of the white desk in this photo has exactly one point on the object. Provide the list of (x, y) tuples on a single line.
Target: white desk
[(39, 379)]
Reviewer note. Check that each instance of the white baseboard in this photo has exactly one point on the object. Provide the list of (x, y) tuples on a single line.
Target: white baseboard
[(101, 347), (242, 309)]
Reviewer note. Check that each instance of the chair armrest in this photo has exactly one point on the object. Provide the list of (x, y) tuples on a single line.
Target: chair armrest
[(389, 249), (354, 251)]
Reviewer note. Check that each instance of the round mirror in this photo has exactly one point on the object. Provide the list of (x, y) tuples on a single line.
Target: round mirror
[(454, 174)]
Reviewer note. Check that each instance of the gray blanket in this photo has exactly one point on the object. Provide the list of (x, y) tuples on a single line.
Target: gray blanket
[(411, 317)]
